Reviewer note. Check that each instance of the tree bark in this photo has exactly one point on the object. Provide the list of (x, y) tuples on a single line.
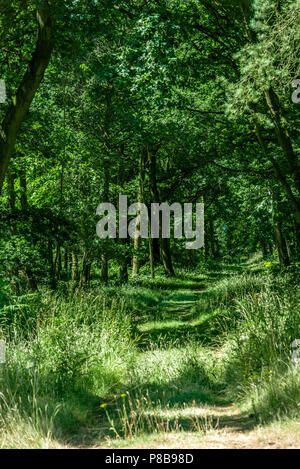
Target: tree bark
[(57, 261), (21, 102), (281, 246), (66, 261), (11, 176), (85, 269), (104, 256), (123, 275), (280, 176), (74, 267), (137, 238), (165, 252), (23, 190), (106, 183), (277, 226), (151, 255), (51, 264)]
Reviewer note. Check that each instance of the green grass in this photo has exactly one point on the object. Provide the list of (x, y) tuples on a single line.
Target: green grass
[(85, 365)]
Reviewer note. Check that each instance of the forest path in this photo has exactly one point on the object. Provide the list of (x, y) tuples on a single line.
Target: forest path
[(175, 320), (185, 413)]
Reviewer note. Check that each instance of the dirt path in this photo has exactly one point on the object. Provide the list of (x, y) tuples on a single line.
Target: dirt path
[(227, 428)]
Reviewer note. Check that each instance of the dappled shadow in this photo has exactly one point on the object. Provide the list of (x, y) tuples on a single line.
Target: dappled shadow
[(191, 403), (172, 283), (240, 423), (175, 320), (176, 335), (39, 400)]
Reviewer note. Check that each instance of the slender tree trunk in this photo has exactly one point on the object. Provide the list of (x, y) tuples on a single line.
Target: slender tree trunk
[(107, 147), (277, 226), (211, 241), (51, 264), (281, 246), (23, 190), (104, 256), (137, 238), (74, 267), (66, 260), (11, 191), (33, 76), (57, 261), (165, 252), (151, 255), (282, 135), (104, 269), (156, 250), (32, 285), (124, 270), (85, 269), (124, 260), (166, 258)]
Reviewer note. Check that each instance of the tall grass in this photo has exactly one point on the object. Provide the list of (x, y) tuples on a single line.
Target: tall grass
[(73, 353), (144, 413), (257, 317)]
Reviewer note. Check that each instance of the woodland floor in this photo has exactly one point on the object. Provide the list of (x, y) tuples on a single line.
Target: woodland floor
[(223, 425)]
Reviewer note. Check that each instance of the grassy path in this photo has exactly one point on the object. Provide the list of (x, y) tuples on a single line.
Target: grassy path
[(184, 412), (157, 364)]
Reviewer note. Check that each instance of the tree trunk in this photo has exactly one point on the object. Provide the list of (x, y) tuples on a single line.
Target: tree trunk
[(283, 136), (66, 261), (123, 270), (33, 76), (137, 238), (277, 226), (74, 267), (85, 269), (166, 258), (32, 285), (51, 264), (106, 182), (165, 252), (212, 248), (151, 256), (281, 246), (294, 201), (11, 191), (57, 261), (104, 256), (23, 190)]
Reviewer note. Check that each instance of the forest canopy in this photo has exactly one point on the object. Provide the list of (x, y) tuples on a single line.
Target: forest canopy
[(162, 101)]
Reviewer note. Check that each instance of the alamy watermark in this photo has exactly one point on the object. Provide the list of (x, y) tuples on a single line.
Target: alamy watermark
[(2, 92), (296, 94), (296, 352), (2, 352), (157, 224)]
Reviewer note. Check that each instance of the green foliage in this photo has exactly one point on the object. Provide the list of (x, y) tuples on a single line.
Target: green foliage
[(166, 101)]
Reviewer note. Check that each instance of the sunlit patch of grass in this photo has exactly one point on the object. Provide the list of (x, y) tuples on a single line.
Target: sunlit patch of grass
[(144, 413)]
